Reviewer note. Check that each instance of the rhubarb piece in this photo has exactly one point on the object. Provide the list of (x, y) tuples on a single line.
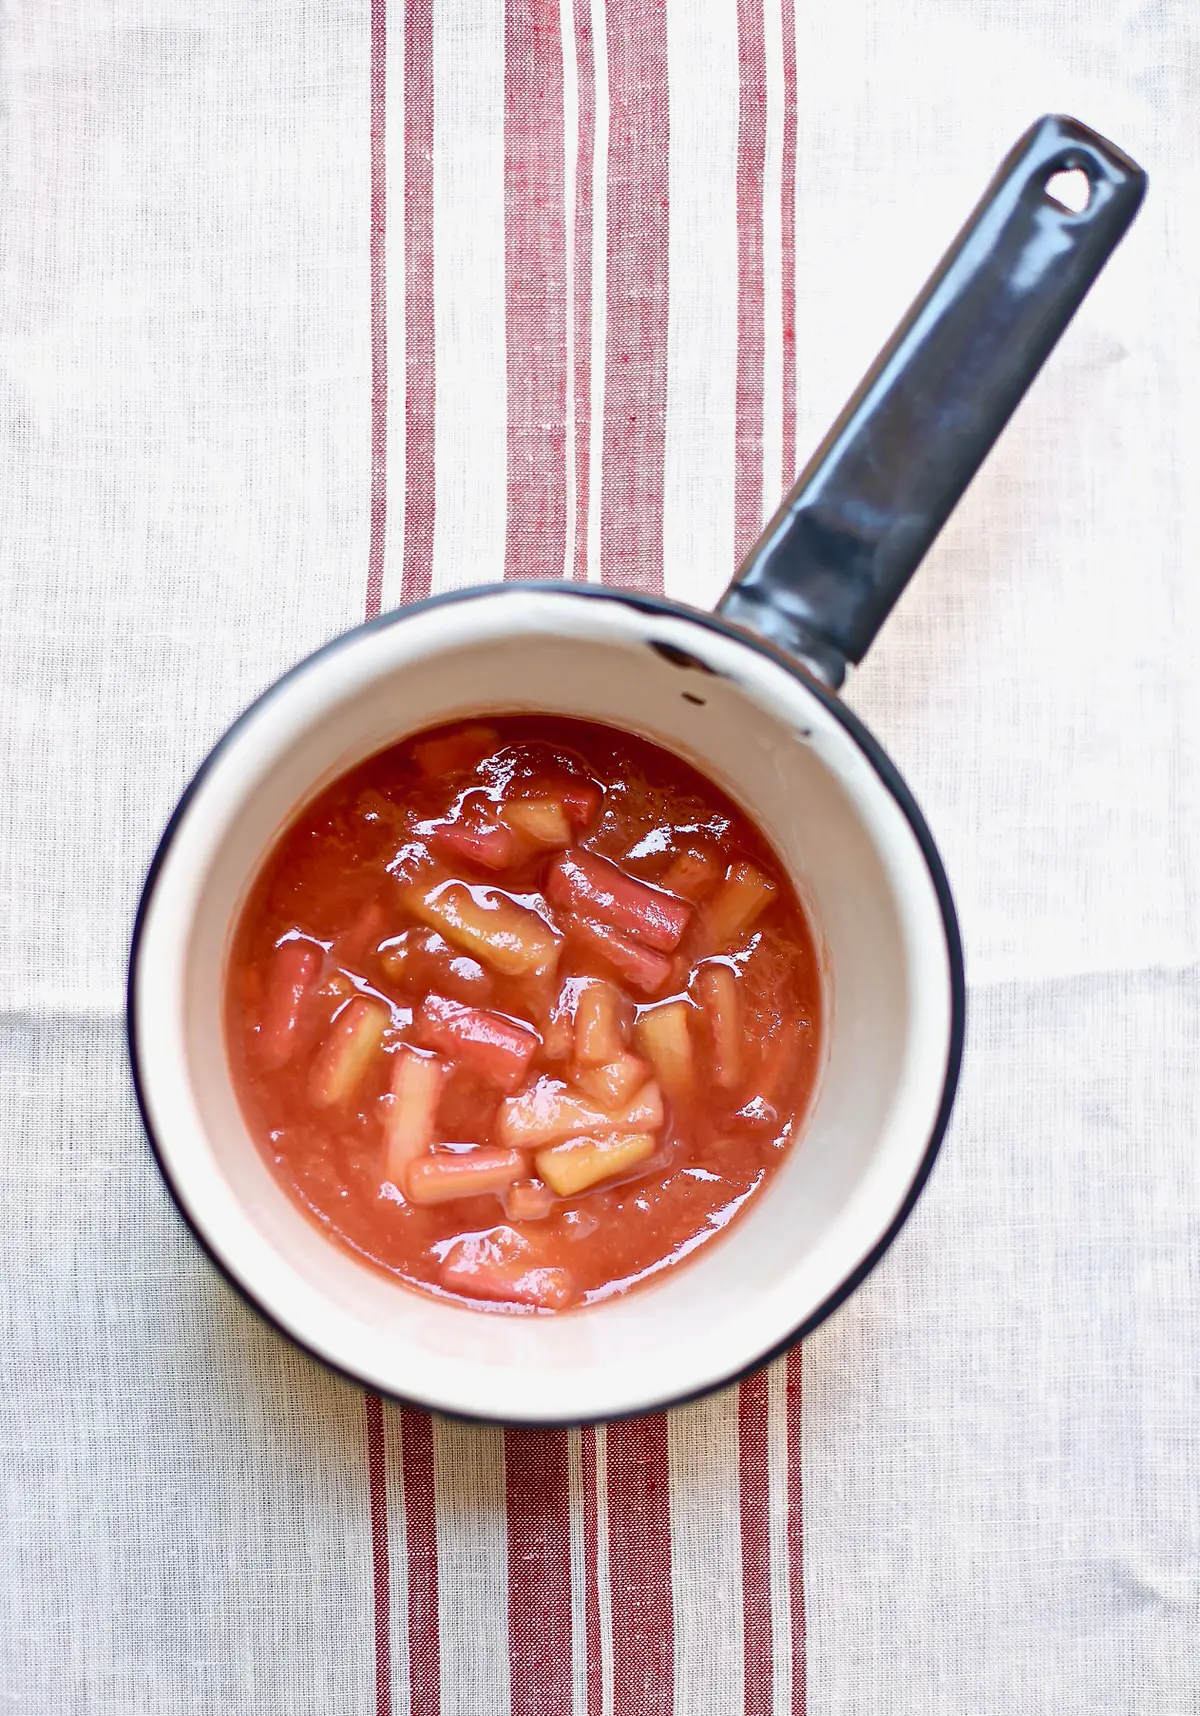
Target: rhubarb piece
[(581, 801), (581, 1163), (544, 821), (717, 992), (488, 844), (692, 873), (546, 1112), (494, 1048), (500, 1265), (742, 896), (601, 1029), (295, 968), (421, 960), (663, 1035), (558, 1036), (583, 882), (614, 1085), (348, 1050), (442, 1178), (640, 966), (528, 1200), (363, 936), (411, 1117), (488, 925)]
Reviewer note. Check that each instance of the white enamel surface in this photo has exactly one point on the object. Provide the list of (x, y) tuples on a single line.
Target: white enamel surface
[(773, 745)]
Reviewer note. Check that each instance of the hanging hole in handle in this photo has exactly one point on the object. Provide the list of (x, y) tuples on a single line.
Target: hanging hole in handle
[(1070, 188)]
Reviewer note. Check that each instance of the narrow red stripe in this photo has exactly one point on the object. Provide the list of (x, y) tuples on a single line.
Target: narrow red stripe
[(538, 1497), (635, 364), (788, 245), (639, 1559), (753, 1394), (795, 1358), (591, 1588), (372, 1405), (378, 253), (754, 1478), (795, 1533), (377, 1469), (752, 155), (586, 74), (420, 389), (420, 1524), (535, 254)]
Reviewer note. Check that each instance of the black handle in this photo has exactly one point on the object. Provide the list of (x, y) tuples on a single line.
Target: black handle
[(833, 561)]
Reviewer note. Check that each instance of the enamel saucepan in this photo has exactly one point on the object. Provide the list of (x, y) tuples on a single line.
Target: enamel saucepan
[(749, 694)]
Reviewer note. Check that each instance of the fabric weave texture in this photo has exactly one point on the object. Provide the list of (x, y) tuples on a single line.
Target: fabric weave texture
[(307, 309)]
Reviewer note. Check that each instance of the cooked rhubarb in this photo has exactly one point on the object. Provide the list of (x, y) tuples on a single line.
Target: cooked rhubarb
[(590, 886), (522, 1011)]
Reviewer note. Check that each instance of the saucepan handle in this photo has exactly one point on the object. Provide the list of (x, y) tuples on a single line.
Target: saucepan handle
[(836, 556)]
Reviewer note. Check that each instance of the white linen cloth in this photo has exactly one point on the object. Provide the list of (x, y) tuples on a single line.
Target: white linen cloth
[(1001, 1430)]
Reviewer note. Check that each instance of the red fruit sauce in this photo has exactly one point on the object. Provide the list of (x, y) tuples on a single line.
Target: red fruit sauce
[(523, 1011)]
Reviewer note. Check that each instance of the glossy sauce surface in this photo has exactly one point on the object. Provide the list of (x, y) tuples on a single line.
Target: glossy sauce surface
[(523, 1012)]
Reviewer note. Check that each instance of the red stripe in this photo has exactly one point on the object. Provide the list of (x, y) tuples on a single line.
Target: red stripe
[(795, 1358), (639, 1559), (795, 1533), (537, 1472), (631, 555), (586, 74), (788, 244), (753, 1471), (535, 247), (420, 1524), (377, 1468), (591, 1587), (378, 252), (635, 364), (372, 1405), (752, 155), (420, 391), (538, 1496), (753, 1405)]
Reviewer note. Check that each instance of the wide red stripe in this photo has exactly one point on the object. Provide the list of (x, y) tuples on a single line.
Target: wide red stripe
[(795, 1533), (751, 159), (535, 247), (537, 1474), (754, 1481), (582, 309), (377, 1470), (420, 388), (639, 1559), (631, 555), (635, 364), (788, 244), (420, 1525), (591, 1586), (538, 1496)]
